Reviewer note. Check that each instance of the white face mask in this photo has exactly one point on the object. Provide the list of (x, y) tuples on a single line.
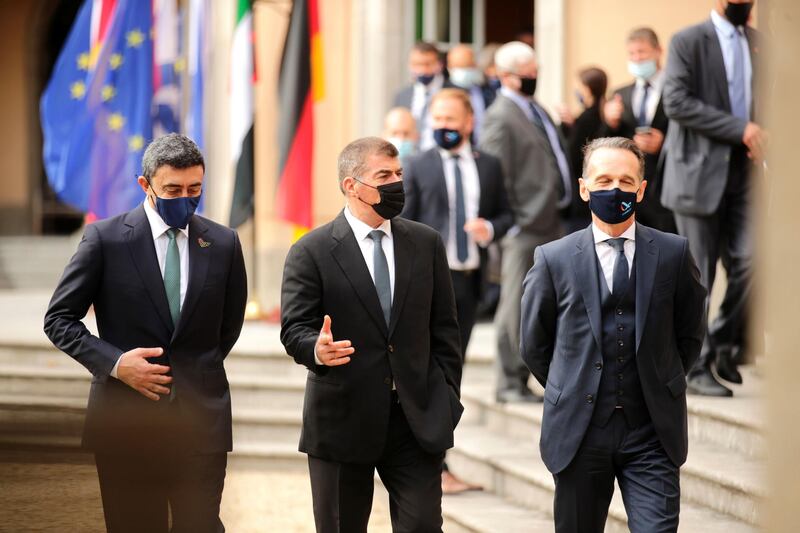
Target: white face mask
[(642, 69), (466, 77)]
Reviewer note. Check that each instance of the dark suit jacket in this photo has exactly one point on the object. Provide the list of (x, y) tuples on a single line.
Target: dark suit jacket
[(116, 270), (531, 173), (426, 194), (346, 411), (405, 96), (587, 127), (703, 131), (561, 347)]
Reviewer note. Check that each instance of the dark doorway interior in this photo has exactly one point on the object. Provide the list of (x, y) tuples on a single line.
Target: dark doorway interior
[(508, 20)]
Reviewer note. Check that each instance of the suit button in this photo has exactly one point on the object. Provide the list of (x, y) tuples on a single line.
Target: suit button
[(620, 328), (619, 392), (598, 365), (619, 311), (391, 349), (620, 377), (620, 343), (589, 398), (388, 381), (620, 359)]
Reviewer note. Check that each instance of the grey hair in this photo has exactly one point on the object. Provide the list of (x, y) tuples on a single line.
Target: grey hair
[(353, 158), (621, 143), (511, 55), (174, 150)]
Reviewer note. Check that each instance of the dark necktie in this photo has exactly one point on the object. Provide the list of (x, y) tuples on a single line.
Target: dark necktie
[(538, 120), (381, 271), (642, 117), (172, 276), (461, 218), (621, 275)]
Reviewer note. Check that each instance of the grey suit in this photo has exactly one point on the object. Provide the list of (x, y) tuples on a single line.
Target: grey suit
[(707, 178), (532, 180)]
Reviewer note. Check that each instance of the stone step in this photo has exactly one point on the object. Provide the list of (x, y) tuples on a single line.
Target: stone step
[(728, 423), (484, 512), (511, 468)]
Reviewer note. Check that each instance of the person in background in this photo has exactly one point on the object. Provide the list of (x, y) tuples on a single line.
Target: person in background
[(590, 91), (486, 64), (636, 111), (520, 133), (465, 75), (400, 129), (713, 147), (425, 68)]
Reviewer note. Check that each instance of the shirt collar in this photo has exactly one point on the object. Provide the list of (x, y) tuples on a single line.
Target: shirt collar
[(465, 152), (517, 98), (361, 229), (434, 86), (601, 236), (655, 81), (157, 224), (722, 24)]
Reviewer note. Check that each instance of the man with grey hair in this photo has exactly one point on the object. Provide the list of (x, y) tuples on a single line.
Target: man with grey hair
[(169, 290), (519, 132), (383, 391), (612, 320)]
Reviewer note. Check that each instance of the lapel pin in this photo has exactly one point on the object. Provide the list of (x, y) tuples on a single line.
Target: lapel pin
[(202, 243)]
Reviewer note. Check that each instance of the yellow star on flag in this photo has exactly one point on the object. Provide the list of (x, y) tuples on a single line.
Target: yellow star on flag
[(77, 90), (108, 92), (134, 38), (180, 65), (115, 61), (84, 61), (116, 121), (135, 143)]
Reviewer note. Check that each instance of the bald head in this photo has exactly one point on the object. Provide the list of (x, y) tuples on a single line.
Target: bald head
[(400, 124), (460, 56)]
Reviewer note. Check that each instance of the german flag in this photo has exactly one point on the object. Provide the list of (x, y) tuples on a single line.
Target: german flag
[(300, 85)]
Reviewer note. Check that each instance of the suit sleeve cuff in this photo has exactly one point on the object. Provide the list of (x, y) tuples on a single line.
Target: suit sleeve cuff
[(116, 367)]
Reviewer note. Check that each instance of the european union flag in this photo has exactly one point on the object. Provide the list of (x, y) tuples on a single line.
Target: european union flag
[(96, 111)]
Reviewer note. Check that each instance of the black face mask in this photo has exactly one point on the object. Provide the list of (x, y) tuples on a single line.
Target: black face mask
[(393, 198), (527, 86), (738, 14)]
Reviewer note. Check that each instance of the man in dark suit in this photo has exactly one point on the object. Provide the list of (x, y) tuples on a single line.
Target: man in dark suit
[(710, 150), (519, 132), (425, 67), (612, 320), (383, 392), (169, 290), (636, 112)]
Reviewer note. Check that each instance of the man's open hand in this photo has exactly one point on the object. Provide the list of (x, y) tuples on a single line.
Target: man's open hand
[(330, 352), (136, 372)]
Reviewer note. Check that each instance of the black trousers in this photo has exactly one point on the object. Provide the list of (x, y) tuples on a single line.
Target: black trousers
[(139, 491), (466, 287), (724, 235), (342, 492), (649, 481)]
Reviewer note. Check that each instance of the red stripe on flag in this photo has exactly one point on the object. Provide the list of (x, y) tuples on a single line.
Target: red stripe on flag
[(294, 189), (106, 12), (313, 18)]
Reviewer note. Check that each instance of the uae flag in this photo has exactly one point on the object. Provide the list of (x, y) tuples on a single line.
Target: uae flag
[(300, 85), (241, 114)]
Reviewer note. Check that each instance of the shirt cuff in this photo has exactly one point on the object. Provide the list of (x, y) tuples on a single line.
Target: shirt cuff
[(116, 367), (316, 359)]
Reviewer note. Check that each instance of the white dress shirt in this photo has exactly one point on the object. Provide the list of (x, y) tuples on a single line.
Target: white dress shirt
[(472, 198), (159, 228), (656, 82), (420, 108), (730, 36), (607, 255), (361, 231)]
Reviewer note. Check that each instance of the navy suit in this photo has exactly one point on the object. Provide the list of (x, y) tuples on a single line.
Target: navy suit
[(564, 328), (142, 446)]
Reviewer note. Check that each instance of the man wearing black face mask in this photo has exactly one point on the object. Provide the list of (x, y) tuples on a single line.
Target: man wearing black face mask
[(425, 68), (383, 391), (713, 147), (612, 319), (519, 132), (169, 290)]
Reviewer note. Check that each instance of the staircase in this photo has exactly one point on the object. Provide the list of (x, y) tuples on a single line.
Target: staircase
[(34, 262), (43, 396)]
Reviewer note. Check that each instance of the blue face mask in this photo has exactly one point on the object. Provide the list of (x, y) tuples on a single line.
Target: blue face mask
[(494, 83), (447, 138), (425, 79), (175, 212), (643, 69), (405, 147), (612, 206)]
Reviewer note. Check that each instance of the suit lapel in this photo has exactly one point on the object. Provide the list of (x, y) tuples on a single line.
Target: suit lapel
[(436, 165), (198, 268), (404, 253), (347, 254), (484, 186), (646, 265), (585, 265), (629, 114), (139, 238), (716, 64)]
